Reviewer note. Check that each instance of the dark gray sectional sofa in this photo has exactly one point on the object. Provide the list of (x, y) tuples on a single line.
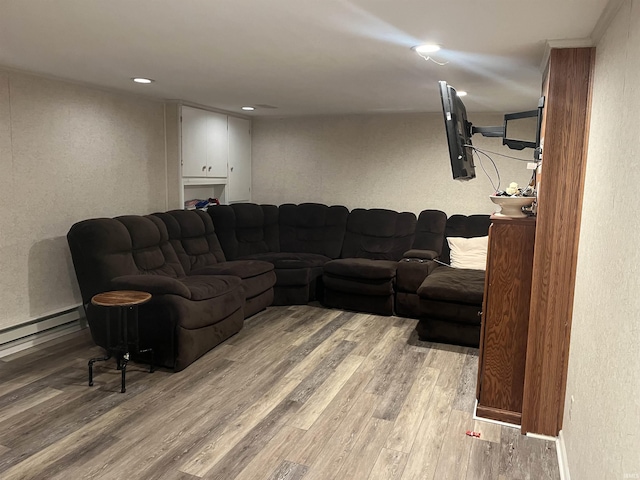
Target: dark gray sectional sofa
[(207, 271)]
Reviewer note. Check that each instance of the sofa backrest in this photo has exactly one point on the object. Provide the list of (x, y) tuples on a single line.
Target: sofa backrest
[(378, 234), (464, 226), (430, 230), (246, 228), (192, 235), (312, 228), (105, 248)]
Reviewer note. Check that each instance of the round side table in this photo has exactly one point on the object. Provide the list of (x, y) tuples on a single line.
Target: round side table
[(124, 304)]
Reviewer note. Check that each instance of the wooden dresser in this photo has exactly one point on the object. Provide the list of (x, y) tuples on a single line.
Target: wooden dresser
[(505, 319)]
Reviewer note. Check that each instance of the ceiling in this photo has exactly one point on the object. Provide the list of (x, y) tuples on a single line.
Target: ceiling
[(305, 57)]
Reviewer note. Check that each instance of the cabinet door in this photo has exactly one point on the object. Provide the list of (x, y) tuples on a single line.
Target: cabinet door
[(195, 143), (505, 319), (239, 160), (218, 145)]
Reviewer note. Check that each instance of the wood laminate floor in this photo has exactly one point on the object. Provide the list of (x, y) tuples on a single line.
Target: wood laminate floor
[(300, 393)]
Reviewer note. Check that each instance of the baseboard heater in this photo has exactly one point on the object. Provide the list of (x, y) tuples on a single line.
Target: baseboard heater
[(42, 329)]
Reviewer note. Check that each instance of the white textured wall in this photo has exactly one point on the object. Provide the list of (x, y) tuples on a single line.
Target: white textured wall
[(602, 428), (67, 153), (396, 161)]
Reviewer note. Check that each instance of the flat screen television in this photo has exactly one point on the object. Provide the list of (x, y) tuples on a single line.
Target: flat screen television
[(458, 133)]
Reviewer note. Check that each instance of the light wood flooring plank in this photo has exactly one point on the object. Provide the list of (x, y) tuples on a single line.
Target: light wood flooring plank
[(206, 458), (484, 461), (315, 323), (28, 402), (391, 339), (450, 361), (337, 448), (289, 471), (385, 371), (389, 465), (466, 392), (54, 426), (37, 464), (489, 432), (250, 445), (308, 386), (311, 361), (394, 394), (456, 445), (410, 417), (272, 455), (360, 461), (358, 322), (526, 458), (423, 458), (325, 370), (310, 445), (325, 393)]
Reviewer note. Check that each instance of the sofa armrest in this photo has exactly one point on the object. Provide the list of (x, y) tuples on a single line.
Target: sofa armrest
[(153, 284), (411, 273), (420, 254)]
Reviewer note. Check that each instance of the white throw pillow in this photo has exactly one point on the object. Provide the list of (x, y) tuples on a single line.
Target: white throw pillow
[(468, 252)]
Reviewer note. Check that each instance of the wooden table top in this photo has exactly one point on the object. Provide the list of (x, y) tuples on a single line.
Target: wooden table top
[(120, 298)]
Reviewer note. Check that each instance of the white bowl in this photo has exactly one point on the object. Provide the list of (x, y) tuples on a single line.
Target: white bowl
[(511, 206)]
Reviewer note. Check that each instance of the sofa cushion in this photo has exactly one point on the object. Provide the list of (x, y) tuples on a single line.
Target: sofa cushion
[(239, 268), (153, 284), (362, 268), (284, 260), (411, 273), (430, 230), (453, 285), (151, 250), (257, 277), (464, 226), (246, 228), (290, 277), (204, 287), (192, 235), (468, 252), (360, 286), (378, 234), (312, 228)]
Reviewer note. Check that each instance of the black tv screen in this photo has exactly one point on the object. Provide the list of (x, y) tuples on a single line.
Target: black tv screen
[(458, 133)]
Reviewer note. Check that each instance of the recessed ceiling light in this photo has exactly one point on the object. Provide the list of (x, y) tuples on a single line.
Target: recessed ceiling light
[(248, 109), (461, 93), (426, 48), (142, 80)]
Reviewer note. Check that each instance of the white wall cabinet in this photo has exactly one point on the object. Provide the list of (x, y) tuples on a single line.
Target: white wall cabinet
[(215, 156), (205, 143), (239, 182)]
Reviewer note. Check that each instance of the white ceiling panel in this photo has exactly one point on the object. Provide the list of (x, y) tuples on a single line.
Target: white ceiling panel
[(305, 57)]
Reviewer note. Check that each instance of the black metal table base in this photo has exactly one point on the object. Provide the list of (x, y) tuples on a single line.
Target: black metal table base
[(121, 349)]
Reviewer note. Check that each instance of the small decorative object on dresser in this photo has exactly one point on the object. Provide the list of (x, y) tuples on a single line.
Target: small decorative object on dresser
[(511, 206), (512, 200)]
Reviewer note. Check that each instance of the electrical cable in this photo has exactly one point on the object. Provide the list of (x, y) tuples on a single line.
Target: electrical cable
[(501, 154), (478, 152), (430, 58)]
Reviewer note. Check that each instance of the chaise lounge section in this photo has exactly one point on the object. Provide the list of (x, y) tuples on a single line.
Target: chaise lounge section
[(447, 301)]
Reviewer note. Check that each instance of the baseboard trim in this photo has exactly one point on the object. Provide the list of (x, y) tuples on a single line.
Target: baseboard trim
[(491, 420), (561, 451), (41, 330)]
